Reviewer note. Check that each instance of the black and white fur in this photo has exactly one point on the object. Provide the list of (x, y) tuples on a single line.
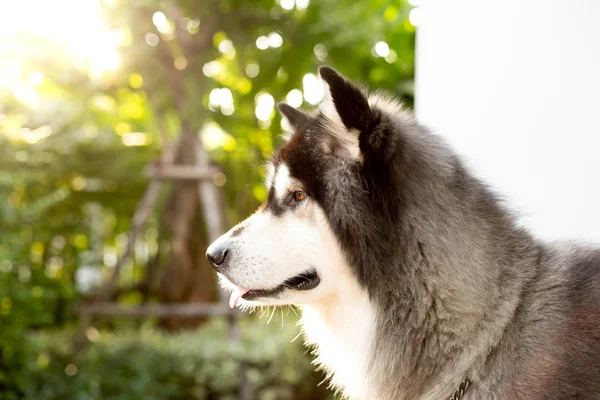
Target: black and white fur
[(424, 278)]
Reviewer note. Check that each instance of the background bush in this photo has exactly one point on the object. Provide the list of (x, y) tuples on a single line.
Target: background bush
[(147, 364)]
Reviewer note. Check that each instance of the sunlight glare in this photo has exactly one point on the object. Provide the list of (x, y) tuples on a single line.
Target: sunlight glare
[(35, 79), (152, 39), (392, 57), (10, 71), (26, 95), (193, 26), (226, 46), (252, 70), (314, 90), (275, 40), (159, 19), (262, 43), (221, 99), (294, 98), (33, 136), (134, 139), (264, 106), (214, 137), (302, 4), (30, 136), (86, 39), (212, 68), (382, 49), (287, 4), (180, 63), (105, 61), (285, 125), (320, 51), (415, 16)]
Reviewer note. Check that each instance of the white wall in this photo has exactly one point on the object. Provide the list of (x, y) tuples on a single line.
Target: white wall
[(515, 86)]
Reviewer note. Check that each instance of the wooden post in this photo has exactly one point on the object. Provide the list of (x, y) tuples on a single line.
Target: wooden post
[(141, 215), (214, 217), (215, 222)]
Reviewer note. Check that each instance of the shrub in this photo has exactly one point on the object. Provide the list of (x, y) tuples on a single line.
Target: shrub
[(149, 364), (26, 305)]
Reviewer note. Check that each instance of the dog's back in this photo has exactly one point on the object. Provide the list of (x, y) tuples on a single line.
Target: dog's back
[(552, 349)]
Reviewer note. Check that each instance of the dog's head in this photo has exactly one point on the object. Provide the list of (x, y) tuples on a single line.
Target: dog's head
[(324, 203)]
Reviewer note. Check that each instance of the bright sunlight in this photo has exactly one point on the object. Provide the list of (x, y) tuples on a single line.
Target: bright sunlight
[(72, 29)]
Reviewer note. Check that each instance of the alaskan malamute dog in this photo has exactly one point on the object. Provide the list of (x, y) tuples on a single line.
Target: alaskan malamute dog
[(414, 280)]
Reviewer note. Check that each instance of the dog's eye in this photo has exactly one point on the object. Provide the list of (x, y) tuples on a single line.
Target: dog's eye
[(299, 195)]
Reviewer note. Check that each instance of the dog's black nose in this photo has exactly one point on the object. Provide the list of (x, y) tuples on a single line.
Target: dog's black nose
[(217, 254)]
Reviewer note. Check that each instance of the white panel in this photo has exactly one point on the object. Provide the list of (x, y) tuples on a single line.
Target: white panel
[(515, 87)]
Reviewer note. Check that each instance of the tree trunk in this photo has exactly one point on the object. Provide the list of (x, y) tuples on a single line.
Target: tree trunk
[(187, 277)]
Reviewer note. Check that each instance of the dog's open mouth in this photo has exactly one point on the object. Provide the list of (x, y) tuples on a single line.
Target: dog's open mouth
[(305, 281)]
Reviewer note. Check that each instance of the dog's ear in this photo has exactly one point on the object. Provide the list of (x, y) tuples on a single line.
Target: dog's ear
[(297, 119), (351, 103), (370, 140)]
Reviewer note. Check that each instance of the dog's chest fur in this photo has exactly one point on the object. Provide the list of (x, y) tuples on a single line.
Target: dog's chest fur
[(342, 332)]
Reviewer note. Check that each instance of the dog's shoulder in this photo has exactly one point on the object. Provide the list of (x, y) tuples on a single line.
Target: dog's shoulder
[(584, 275), (572, 370)]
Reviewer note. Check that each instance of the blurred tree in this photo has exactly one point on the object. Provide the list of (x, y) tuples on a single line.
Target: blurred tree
[(250, 53), (75, 134)]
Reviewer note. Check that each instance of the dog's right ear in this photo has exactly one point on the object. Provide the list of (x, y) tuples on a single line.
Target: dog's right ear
[(297, 119)]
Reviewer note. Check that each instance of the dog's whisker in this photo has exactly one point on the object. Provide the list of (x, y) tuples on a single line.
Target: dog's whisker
[(296, 337), (264, 311), (271, 317)]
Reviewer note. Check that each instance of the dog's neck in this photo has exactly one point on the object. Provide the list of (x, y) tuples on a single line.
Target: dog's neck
[(341, 328), (342, 331), (429, 319), (359, 342)]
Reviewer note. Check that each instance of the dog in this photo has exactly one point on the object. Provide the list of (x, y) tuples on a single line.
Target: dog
[(414, 279)]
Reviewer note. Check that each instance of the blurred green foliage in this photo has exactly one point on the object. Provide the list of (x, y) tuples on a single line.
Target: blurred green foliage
[(74, 145), (147, 364)]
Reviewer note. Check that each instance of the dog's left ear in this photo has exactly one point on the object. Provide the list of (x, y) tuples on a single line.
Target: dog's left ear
[(352, 105)]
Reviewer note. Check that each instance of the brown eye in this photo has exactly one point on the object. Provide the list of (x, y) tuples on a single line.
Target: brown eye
[(299, 195)]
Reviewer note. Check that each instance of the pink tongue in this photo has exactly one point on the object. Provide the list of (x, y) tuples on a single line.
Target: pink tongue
[(237, 293)]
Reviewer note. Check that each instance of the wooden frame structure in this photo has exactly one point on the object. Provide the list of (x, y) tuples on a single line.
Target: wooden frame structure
[(212, 213)]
